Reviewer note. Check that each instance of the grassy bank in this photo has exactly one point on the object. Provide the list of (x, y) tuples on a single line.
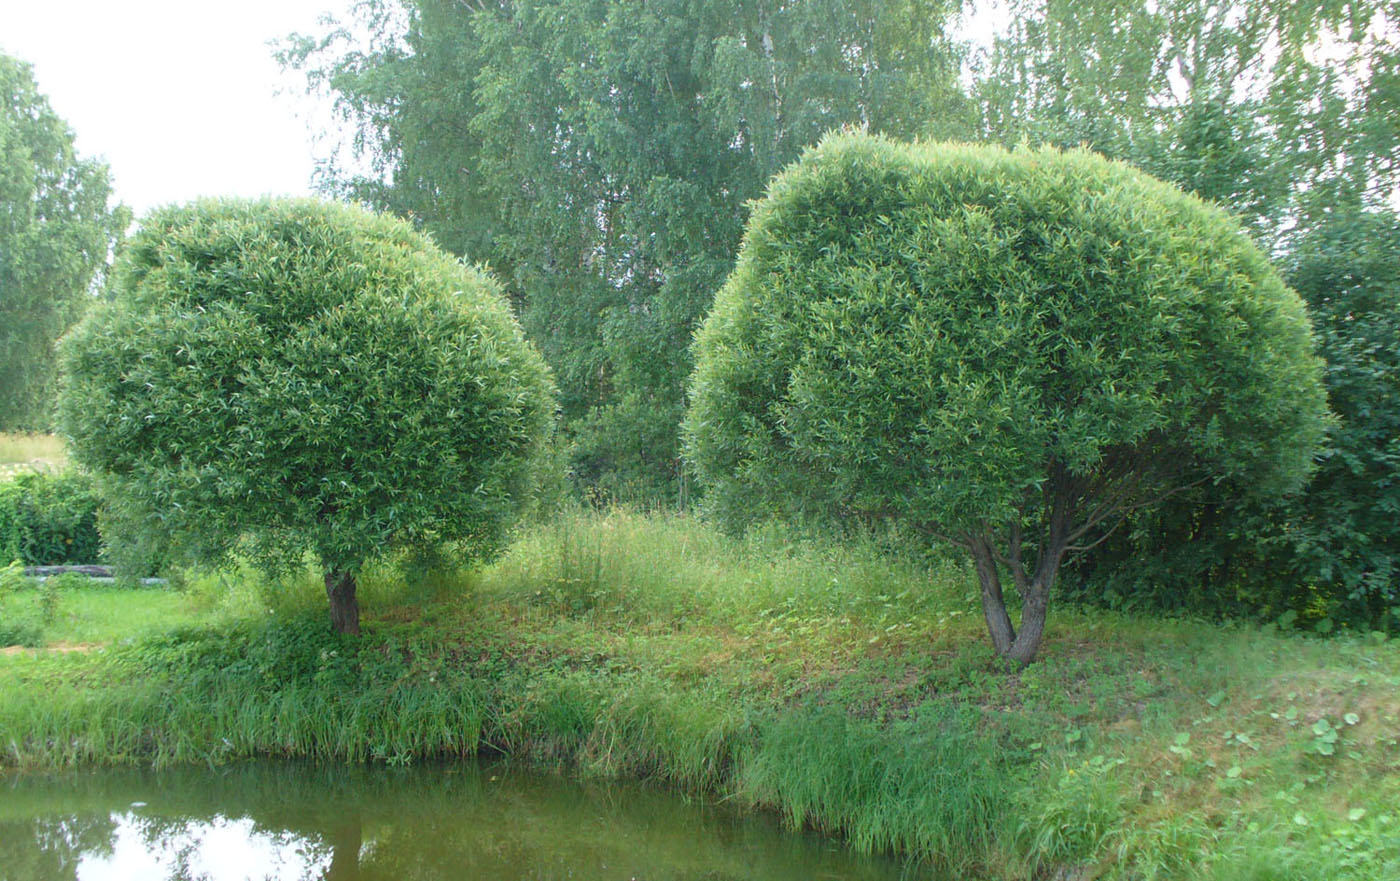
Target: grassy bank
[(836, 684)]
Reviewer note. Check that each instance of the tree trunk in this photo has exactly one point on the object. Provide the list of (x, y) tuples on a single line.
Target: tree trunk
[(1018, 645), (345, 609), (993, 603), (1035, 599), (1033, 607), (346, 840)]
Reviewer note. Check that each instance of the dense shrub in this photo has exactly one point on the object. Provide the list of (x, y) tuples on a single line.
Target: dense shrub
[(1332, 553), (292, 376), (1007, 350), (49, 519)]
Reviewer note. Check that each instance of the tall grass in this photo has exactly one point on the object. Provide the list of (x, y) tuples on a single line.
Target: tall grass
[(931, 786), (210, 695), (672, 568)]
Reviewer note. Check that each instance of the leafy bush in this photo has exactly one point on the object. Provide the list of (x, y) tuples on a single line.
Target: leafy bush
[(293, 376), (16, 629), (1333, 553), (49, 519), (1009, 351)]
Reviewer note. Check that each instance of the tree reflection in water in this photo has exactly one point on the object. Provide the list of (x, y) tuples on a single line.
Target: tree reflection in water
[(297, 821)]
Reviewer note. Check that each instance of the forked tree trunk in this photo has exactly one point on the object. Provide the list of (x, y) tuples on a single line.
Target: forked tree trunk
[(345, 609), (1033, 608), (993, 603), (1018, 645)]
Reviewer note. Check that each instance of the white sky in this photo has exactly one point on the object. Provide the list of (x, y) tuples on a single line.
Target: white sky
[(178, 96)]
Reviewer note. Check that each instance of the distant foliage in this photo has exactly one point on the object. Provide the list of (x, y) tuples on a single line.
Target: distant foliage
[(56, 229), (1277, 110), (600, 156), (49, 519), (1348, 271), (1010, 350), (285, 376)]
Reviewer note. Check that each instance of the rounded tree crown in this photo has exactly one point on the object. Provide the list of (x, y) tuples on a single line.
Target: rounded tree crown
[(307, 375), (937, 331)]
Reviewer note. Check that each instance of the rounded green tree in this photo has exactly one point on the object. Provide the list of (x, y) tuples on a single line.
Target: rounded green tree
[(279, 377), (1008, 351)]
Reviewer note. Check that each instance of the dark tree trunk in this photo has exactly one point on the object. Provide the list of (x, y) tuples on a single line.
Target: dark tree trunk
[(1033, 607), (346, 840), (993, 603), (1019, 645), (345, 609)]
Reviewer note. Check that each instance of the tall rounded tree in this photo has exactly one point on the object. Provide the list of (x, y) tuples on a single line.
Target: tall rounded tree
[(279, 377), (1008, 351)]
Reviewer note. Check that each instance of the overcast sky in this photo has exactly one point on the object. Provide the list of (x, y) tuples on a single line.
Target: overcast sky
[(179, 96)]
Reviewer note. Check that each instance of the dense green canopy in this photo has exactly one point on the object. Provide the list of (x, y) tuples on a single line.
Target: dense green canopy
[(600, 154), (309, 377), (1010, 350)]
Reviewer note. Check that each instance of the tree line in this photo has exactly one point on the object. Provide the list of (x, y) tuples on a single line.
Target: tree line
[(601, 156)]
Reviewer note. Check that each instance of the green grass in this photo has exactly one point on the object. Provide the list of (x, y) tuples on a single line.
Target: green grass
[(838, 684), (73, 613), (24, 452)]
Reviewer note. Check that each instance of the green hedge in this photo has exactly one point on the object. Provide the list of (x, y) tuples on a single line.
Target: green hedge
[(49, 519)]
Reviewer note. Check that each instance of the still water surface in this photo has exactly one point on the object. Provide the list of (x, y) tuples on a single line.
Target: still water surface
[(296, 821)]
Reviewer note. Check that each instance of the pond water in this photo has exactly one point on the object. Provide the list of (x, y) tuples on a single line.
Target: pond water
[(461, 821)]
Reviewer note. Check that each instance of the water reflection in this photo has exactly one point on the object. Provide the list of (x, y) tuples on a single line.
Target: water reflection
[(292, 821)]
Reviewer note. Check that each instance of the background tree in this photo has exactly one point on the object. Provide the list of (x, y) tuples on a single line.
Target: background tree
[(56, 231), (1346, 535), (600, 153), (1010, 351), (279, 377), (1274, 109)]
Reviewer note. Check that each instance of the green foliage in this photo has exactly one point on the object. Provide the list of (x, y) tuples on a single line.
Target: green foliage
[(291, 376), (1296, 140), (185, 697), (48, 519), (1347, 532), (1332, 553), (856, 352), (1074, 822), (1276, 110), (9, 522), (56, 230), (600, 155), (653, 569), (16, 627), (1007, 349)]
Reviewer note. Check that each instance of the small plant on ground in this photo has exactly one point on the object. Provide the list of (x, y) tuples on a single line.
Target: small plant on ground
[(16, 627)]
